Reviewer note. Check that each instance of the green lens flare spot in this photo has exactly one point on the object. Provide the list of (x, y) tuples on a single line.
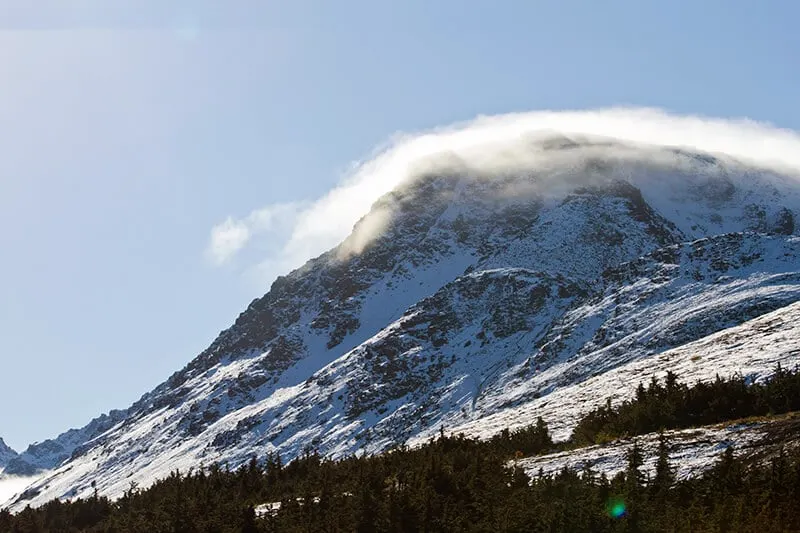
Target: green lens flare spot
[(615, 508)]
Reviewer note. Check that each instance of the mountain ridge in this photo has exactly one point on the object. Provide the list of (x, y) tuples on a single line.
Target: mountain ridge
[(473, 295), (6, 453)]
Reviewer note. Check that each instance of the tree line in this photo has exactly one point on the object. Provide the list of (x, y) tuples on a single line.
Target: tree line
[(454, 483), (672, 405)]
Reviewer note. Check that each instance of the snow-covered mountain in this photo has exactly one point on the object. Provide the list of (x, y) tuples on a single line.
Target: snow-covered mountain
[(44, 455), (471, 302), (6, 454)]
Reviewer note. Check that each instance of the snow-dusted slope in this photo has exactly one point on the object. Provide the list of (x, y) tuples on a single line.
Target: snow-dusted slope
[(11, 487), (467, 301), (752, 349), (692, 451)]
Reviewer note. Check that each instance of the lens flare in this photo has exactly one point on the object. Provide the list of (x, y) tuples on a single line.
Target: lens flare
[(615, 507)]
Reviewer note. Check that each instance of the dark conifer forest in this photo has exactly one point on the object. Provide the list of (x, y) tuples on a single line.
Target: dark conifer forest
[(453, 483)]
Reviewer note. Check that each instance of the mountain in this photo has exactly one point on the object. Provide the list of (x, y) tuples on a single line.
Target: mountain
[(6, 454), (52, 452), (470, 302)]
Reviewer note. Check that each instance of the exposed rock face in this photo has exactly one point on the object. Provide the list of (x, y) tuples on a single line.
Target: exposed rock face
[(6, 454), (477, 296)]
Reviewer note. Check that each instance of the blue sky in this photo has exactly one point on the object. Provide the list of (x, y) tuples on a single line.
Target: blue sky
[(130, 129)]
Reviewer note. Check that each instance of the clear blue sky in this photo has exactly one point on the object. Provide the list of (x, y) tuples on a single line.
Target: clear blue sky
[(129, 129)]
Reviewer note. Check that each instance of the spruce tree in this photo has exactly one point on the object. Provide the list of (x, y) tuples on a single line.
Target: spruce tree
[(665, 472)]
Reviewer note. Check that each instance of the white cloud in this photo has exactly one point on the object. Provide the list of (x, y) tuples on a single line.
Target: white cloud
[(227, 238), (501, 144)]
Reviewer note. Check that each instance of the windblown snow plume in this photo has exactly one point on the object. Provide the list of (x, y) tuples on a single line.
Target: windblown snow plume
[(496, 146)]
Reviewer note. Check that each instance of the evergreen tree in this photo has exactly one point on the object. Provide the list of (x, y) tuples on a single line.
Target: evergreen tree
[(665, 473), (249, 520), (634, 484)]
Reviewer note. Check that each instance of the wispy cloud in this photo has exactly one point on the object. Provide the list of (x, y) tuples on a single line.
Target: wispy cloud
[(227, 238), (230, 236), (488, 146)]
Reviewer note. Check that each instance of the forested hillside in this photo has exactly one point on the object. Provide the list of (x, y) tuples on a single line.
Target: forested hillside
[(453, 483)]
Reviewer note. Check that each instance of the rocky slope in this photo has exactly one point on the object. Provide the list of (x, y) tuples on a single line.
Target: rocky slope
[(458, 300), (6, 454), (752, 349)]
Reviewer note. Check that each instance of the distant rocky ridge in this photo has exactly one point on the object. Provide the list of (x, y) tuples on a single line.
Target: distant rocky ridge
[(6, 454), (52, 452)]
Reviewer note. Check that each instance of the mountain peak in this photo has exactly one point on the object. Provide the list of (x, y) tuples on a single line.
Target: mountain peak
[(6, 453), (490, 281)]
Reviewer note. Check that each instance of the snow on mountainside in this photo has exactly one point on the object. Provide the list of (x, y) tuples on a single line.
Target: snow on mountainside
[(753, 349), (471, 302), (691, 450), (12, 486), (52, 452)]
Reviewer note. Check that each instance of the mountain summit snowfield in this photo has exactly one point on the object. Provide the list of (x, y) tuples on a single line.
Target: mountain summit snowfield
[(478, 277)]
